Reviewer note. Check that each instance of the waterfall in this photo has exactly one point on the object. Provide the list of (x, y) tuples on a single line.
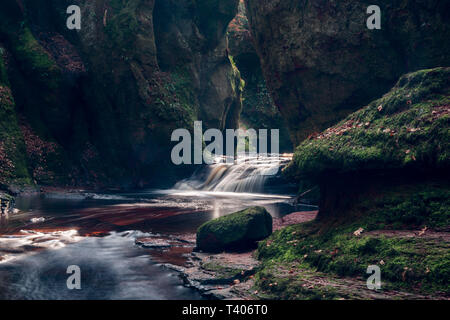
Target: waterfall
[(246, 174)]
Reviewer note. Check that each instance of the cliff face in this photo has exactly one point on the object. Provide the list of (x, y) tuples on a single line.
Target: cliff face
[(258, 110), (12, 147), (98, 105), (321, 62), (191, 37)]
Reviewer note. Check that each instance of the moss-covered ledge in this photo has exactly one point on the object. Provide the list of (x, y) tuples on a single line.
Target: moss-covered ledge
[(406, 128), (396, 142)]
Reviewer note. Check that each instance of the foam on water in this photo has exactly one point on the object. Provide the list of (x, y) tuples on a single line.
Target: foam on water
[(31, 241)]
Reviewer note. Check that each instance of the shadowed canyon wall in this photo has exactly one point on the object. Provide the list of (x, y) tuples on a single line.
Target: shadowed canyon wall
[(321, 62), (258, 111), (97, 106)]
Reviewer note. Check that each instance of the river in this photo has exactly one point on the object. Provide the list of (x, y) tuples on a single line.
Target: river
[(122, 241)]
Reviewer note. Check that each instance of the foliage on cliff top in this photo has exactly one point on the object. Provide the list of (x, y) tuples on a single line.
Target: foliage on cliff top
[(408, 127)]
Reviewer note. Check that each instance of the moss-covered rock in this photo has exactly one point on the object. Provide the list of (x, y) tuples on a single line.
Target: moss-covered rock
[(413, 261), (237, 231), (43, 95), (407, 128), (417, 265), (383, 151), (191, 36)]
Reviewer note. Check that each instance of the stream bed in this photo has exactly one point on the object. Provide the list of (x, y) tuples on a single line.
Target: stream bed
[(100, 233)]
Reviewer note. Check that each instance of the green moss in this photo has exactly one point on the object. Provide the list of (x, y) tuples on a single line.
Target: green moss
[(274, 282), (415, 264), (391, 221), (175, 102), (221, 271), (35, 60), (13, 165), (239, 229), (180, 88), (413, 206), (407, 128), (123, 26), (42, 75), (32, 58)]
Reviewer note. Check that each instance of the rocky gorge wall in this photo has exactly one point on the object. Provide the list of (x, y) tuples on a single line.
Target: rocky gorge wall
[(321, 62), (97, 106), (258, 108)]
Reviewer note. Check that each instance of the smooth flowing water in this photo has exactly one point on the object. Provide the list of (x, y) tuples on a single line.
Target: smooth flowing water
[(103, 235)]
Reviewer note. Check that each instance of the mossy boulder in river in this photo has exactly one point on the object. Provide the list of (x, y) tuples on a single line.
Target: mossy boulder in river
[(237, 231)]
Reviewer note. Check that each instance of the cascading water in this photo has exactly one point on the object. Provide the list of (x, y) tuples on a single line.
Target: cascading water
[(246, 174)]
